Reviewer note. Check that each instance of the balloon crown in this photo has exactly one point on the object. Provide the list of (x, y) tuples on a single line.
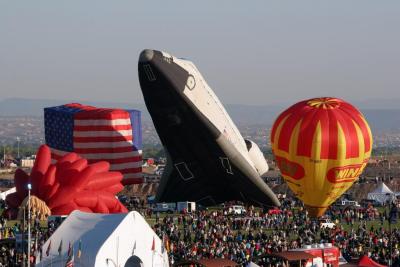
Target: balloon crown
[(324, 102)]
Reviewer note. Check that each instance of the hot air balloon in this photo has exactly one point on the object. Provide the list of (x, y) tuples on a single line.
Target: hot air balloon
[(68, 185), (321, 146), (97, 134)]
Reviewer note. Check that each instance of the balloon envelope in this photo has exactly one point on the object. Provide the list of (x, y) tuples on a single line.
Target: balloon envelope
[(67, 185), (321, 146)]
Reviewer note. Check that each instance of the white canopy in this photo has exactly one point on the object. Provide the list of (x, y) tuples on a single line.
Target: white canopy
[(123, 239), (382, 193), (252, 264), (5, 193)]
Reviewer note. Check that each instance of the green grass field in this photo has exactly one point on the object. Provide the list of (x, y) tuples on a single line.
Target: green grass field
[(376, 223)]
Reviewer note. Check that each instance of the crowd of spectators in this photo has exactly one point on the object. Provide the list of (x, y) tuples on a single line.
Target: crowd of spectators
[(245, 238), (217, 233), (13, 241)]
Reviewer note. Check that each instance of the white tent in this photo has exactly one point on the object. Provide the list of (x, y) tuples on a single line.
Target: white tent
[(123, 239), (382, 193), (252, 264), (5, 193)]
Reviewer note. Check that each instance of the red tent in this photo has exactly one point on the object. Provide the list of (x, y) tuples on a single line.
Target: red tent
[(367, 262)]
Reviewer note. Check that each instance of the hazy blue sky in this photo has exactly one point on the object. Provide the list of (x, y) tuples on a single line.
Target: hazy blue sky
[(250, 52)]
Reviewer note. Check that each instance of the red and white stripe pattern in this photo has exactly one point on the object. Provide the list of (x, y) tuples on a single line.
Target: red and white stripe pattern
[(108, 138)]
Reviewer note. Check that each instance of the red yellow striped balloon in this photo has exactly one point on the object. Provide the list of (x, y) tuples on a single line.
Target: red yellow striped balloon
[(321, 146)]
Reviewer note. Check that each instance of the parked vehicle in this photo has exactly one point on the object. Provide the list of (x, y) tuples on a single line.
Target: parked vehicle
[(165, 207), (237, 210), (326, 223), (350, 203), (346, 202), (186, 206)]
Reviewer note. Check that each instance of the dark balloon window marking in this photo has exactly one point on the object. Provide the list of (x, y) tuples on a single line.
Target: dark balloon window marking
[(184, 171), (226, 165), (149, 72), (191, 82)]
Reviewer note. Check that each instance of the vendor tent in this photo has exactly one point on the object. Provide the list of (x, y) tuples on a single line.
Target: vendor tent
[(368, 262), (123, 239), (382, 193)]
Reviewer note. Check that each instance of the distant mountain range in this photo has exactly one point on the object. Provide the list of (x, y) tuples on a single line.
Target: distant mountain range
[(380, 119)]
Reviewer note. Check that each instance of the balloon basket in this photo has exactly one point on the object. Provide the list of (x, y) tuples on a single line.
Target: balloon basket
[(315, 212)]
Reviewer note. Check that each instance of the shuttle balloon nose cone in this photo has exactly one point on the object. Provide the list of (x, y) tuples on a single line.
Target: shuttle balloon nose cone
[(146, 55)]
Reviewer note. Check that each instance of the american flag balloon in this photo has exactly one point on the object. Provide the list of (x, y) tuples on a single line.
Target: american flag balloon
[(97, 134)]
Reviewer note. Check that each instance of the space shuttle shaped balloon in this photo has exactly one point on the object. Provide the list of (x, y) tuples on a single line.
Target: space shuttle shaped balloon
[(208, 160), (321, 146)]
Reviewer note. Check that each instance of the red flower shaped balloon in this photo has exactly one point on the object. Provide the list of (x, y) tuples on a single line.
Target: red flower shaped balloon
[(70, 184)]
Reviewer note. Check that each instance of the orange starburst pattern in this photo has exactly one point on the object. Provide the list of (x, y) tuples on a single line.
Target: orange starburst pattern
[(324, 102), (69, 184)]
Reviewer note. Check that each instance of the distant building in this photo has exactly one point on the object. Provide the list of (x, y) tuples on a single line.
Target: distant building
[(27, 163)]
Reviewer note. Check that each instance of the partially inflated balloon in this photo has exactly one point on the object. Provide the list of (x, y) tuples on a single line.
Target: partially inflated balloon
[(321, 146), (70, 184)]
